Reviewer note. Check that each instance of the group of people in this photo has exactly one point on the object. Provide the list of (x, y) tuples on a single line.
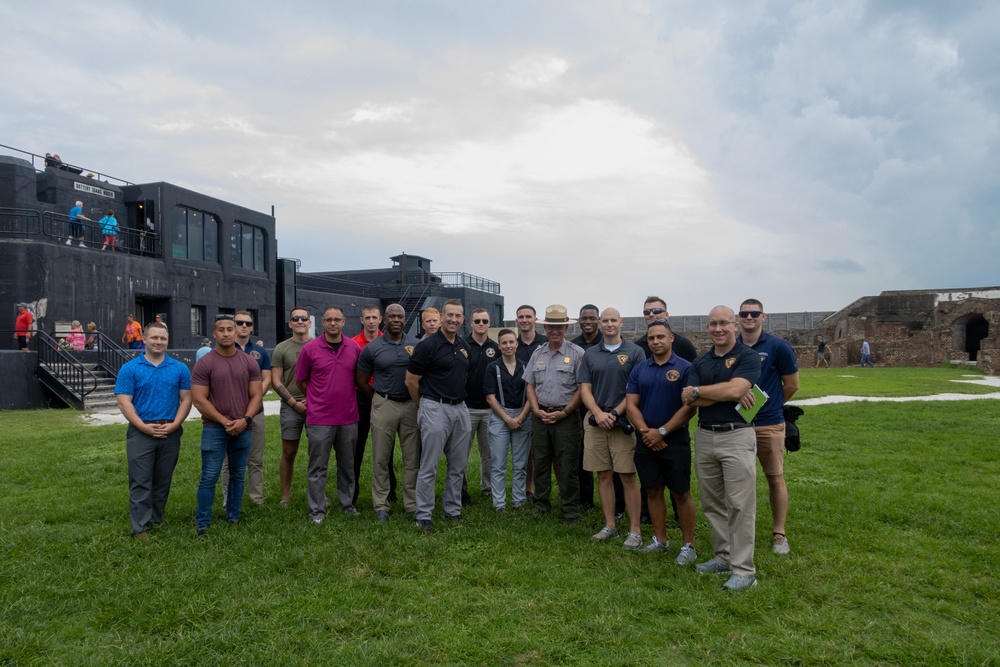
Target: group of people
[(77, 230), (540, 402)]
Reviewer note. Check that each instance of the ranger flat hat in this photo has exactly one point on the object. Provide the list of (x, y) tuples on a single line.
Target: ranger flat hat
[(556, 314)]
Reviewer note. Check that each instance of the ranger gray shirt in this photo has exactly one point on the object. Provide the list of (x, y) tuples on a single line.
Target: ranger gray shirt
[(554, 373)]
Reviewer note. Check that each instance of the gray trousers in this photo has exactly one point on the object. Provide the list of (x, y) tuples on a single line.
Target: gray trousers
[(444, 429), (388, 419), (151, 463), (255, 464), (518, 443), (726, 466), (479, 421), (323, 440)]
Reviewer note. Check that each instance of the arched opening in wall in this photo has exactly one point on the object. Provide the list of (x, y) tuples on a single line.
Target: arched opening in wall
[(969, 333)]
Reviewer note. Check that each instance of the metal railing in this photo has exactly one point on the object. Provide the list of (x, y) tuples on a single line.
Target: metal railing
[(57, 227), (71, 380), (40, 162), (110, 357), (20, 222), (455, 279)]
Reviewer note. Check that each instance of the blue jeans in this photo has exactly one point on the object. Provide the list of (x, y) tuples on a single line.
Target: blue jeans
[(216, 445)]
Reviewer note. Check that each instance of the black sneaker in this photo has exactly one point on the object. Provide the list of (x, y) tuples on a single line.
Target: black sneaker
[(425, 525), (453, 517), (382, 516)]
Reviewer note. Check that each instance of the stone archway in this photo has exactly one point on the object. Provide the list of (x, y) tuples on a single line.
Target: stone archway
[(968, 334)]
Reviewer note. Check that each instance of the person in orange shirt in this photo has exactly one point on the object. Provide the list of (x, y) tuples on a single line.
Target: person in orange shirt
[(133, 333)]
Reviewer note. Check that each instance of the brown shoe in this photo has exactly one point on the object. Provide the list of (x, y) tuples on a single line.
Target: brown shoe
[(143, 535)]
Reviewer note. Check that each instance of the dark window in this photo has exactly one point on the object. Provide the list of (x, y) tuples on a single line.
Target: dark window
[(195, 234), (248, 247)]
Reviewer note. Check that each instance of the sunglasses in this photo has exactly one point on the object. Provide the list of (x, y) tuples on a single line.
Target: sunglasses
[(653, 311), (299, 318), (754, 314), (481, 321), (243, 323), (223, 316)]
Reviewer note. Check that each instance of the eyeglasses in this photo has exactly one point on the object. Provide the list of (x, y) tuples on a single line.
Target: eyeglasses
[(653, 311), (480, 321), (754, 314), (720, 325), (243, 323), (333, 319), (299, 318)]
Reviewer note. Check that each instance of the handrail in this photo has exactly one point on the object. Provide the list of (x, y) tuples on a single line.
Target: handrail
[(110, 356), (131, 241), (73, 374), (20, 222), (65, 166)]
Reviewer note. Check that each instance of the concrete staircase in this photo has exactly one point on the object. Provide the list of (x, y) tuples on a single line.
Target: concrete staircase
[(101, 399)]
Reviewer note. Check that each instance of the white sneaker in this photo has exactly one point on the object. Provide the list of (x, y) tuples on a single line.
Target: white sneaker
[(633, 541), (687, 555), (69, 241), (655, 546), (780, 544), (604, 533)]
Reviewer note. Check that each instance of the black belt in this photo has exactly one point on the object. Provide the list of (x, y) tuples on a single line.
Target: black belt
[(157, 421), (397, 399), (727, 426), (552, 408), (446, 401)]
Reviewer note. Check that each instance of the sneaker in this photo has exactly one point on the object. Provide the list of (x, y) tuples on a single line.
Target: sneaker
[(570, 520), (318, 519), (711, 567), (425, 525), (350, 510), (781, 544), (738, 583), (501, 510), (619, 515), (285, 503), (633, 541), (202, 531), (655, 546), (686, 556), (604, 533), (69, 241), (382, 516), (644, 520), (258, 501)]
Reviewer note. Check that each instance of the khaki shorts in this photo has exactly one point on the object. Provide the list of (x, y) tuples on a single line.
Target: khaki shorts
[(607, 450), (291, 422), (771, 448)]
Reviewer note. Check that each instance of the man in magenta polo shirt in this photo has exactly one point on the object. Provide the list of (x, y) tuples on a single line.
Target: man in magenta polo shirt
[(325, 373)]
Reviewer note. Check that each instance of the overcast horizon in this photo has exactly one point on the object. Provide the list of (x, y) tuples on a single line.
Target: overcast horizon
[(803, 153)]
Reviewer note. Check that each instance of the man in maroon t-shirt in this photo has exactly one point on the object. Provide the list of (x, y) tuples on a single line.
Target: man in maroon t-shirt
[(227, 390)]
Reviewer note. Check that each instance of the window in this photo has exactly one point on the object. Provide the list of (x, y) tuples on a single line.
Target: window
[(248, 247), (198, 321), (195, 234)]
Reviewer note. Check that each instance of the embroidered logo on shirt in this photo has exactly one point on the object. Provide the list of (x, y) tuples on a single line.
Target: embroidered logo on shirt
[(490, 352), (673, 376), (464, 352), (255, 354), (622, 359), (409, 350), (730, 361)]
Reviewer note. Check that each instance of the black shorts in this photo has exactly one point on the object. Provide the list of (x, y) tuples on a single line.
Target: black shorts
[(670, 467)]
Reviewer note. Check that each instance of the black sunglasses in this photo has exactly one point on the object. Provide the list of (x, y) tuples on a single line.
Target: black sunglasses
[(754, 314), (653, 311), (299, 318), (481, 321), (243, 323)]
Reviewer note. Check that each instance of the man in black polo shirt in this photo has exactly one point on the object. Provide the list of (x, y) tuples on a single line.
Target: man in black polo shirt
[(655, 308), (483, 350), (527, 338), (435, 378), (725, 448)]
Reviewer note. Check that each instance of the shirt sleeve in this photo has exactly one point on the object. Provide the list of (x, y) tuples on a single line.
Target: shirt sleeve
[(265, 360), (419, 359), (632, 386), (490, 379), (185, 377), (748, 366), (366, 362), (125, 384), (202, 374)]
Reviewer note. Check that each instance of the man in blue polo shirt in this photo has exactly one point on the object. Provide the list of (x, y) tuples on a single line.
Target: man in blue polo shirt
[(154, 395), (779, 378), (663, 446)]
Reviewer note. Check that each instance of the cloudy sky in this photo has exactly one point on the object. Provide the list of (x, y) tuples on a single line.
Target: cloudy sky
[(805, 153)]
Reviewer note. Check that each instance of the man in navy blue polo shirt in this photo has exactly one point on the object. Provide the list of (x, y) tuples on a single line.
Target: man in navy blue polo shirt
[(154, 395), (663, 446), (724, 449), (435, 378), (779, 378)]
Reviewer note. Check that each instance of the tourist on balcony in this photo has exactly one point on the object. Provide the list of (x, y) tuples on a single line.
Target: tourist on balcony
[(109, 227), (76, 228)]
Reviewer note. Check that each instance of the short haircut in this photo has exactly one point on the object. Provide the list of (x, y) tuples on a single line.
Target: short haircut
[(223, 317), (589, 306), (506, 332), (752, 302), (659, 323), (157, 325), (368, 307), (531, 308), (480, 310), (329, 308), (429, 311), (651, 299), (454, 302), (302, 308), (244, 312)]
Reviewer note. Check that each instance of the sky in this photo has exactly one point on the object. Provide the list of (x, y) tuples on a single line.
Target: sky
[(802, 153)]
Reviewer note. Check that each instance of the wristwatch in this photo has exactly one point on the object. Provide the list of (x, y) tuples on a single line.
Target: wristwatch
[(694, 391), (249, 420), (662, 431)]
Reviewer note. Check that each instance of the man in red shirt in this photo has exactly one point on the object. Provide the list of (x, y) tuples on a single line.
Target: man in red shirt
[(371, 317), (22, 326)]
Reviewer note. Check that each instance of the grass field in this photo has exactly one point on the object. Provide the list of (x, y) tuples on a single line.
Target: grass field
[(893, 527)]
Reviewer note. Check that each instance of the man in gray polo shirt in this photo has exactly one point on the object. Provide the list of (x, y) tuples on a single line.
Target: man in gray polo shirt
[(607, 448), (393, 410)]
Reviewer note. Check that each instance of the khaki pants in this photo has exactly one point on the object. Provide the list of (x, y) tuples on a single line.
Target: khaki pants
[(390, 418)]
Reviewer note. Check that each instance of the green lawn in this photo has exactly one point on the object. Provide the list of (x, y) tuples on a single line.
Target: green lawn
[(893, 528), (884, 381)]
